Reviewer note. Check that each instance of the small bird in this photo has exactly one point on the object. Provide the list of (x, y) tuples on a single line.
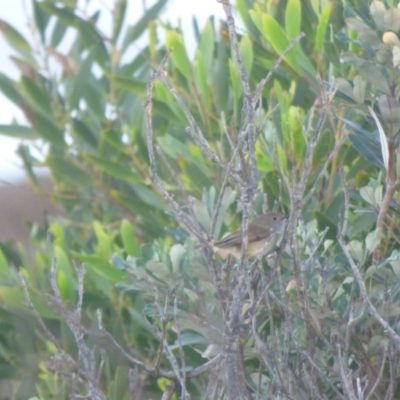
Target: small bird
[(262, 235)]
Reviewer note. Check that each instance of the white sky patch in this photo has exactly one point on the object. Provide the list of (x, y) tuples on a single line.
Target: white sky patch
[(177, 12)]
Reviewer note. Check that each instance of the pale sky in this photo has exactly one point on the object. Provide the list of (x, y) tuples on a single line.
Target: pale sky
[(10, 166)]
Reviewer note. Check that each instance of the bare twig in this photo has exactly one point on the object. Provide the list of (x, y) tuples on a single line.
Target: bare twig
[(356, 273), (250, 114), (261, 85)]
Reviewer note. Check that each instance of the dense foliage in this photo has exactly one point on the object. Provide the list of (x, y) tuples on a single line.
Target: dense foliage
[(152, 152)]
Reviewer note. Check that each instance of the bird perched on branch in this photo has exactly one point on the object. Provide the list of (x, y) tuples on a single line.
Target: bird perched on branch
[(263, 234)]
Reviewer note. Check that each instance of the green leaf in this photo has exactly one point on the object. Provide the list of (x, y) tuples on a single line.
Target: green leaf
[(149, 197), (166, 96), (88, 34), (246, 51), (24, 153), (68, 171), (273, 32), (65, 278), (9, 88), (201, 79), (83, 132), (324, 146), (206, 46), (179, 55), (372, 74), (189, 337), (236, 84), (36, 95), (47, 127), (133, 85), (14, 299), (242, 7), (320, 33), (360, 85), (136, 30), (117, 388), (113, 168), (104, 245), (364, 142), (5, 272), (81, 80), (13, 37), (95, 99), (324, 222), (41, 20), (373, 239), (390, 114), (92, 39), (114, 139), (64, 14), (220, 82), (129, 239), (377, 10), (58, 33), (101, 266), (118, 20), (19, 131), (293, 18), (275, 35)]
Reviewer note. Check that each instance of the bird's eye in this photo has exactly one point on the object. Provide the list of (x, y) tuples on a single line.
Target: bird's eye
[(274, 218)]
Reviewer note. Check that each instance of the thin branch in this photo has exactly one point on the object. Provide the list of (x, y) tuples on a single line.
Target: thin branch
[(183, 217), (194, 130), (250, 114), (385, 325), (261, 85)]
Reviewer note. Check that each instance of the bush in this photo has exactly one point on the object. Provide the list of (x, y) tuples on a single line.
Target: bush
[(123, 303)]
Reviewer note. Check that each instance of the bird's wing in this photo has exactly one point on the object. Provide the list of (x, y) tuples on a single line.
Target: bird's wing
[(258, 230), (233, 239), (256, 233)]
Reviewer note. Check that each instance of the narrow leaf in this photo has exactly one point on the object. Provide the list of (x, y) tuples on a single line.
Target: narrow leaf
[(382, 136), (179, 55), (119, 15), (365, 143), (372, 74), (69, 171), (36, 95), (293, 18), (19, 131), (246, 51), (136, 30), (206, 46), (129, 239), (113, 168), (81, 80), (13, 37), (133, 85), (322, 27)]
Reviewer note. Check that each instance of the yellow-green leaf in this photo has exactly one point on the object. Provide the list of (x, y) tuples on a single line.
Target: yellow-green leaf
[(206, 47), (68, 171), (129, 239), (293, 18), (179, 55), (19, 131), (321, 29), (273, 32), (246, 51), (13, 37), (113, 168)]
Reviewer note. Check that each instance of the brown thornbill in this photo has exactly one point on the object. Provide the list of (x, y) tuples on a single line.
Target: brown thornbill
[(263, 233)]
